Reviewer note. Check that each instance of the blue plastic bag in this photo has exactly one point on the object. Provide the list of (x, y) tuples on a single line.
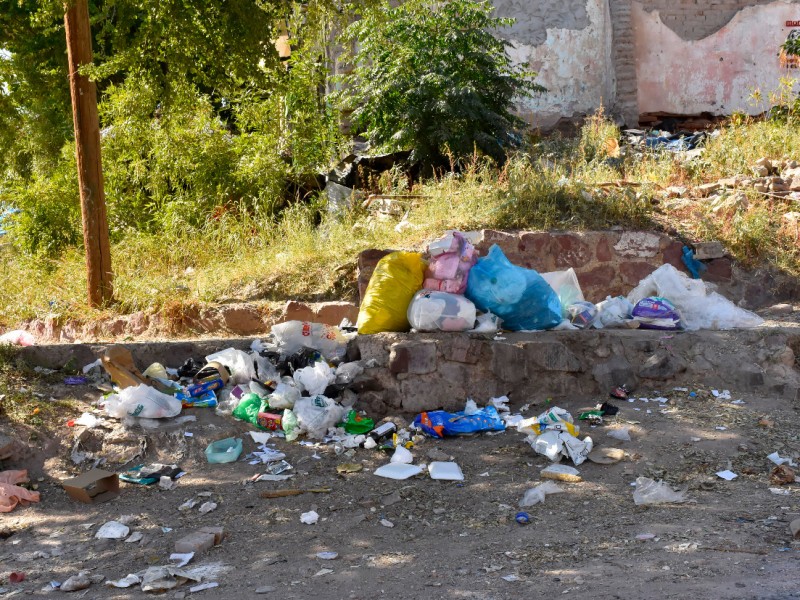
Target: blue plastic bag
[(439, 423), (519, 296)]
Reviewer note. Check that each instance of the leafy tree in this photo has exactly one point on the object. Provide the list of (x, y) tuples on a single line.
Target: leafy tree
[(433, 77)]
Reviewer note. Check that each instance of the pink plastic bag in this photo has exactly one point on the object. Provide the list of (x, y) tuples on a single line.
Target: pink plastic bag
[(448, 271), (11, 494)]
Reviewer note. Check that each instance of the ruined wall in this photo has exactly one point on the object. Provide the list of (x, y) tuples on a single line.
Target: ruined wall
[(718, 73), (675, 56), (568, 43), (697, 19)]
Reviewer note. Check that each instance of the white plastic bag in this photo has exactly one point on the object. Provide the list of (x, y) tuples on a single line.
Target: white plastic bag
[(565, 285), (699, 307), (143, 402), (317, 414), (293, 335), (284, 396), (440, 311), (314, 379), (347, 372), (613, 312), (238, 362), (487, 323), (554, 444), (649, 491), (537, 494), (622, 434)]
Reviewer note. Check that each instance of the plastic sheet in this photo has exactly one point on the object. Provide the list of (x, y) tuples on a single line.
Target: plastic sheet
[(649, 491), (700, 308), (519, 296), (565, 284)]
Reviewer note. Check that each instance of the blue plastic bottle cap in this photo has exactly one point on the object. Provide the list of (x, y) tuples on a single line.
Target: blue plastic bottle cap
[(523, 518), (692, 394)]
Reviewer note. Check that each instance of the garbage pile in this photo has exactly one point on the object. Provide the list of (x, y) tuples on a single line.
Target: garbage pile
[(295, 384), (455, 290)]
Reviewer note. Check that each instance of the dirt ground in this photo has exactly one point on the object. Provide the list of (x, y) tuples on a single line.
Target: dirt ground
[(731, 540)]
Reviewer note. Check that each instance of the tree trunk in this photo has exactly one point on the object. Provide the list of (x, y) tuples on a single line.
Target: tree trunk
[(87, 151)]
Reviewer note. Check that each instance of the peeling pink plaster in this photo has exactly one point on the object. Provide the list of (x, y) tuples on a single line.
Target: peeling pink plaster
[(717, 74)]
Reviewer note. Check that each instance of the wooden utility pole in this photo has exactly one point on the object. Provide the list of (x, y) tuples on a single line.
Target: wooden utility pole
[(87, 151)]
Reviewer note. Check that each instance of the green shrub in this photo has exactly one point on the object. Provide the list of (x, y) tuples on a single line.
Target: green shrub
[(432, 77)]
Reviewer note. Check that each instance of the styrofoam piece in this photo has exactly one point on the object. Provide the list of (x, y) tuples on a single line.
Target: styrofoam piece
[(448, 471), (398, 471)]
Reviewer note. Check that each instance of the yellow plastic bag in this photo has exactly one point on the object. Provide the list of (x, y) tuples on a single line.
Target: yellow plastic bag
[(396, 279)]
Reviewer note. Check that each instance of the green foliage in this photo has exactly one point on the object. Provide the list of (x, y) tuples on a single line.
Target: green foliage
[(199, 120), (431, 76), (50, 218)]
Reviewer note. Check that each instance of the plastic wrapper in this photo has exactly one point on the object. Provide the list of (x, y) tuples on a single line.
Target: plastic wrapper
[(317, 414), (439, 423), (613, 312), (452, 257), (536, 495), (582, 314), (143, 402), (440, 311), (518, 296), (292, 336), (394, 282), (554, 419), (700, 308), (654, 312), (649, 491)]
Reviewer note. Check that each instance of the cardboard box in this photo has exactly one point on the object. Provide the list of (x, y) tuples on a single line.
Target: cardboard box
[(92, 487)]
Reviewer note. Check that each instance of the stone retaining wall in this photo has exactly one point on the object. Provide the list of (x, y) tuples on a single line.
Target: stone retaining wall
[(414, 372)]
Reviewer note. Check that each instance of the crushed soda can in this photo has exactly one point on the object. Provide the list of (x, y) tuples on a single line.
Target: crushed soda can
[(277, 468)]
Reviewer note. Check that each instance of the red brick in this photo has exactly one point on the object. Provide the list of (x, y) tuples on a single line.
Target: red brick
[(633, 272), (596, 284), (672, 255), (569, 250), (603, 250), (719, 269)]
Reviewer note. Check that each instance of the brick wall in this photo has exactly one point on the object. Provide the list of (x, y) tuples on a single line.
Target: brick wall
[(697, 19)]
